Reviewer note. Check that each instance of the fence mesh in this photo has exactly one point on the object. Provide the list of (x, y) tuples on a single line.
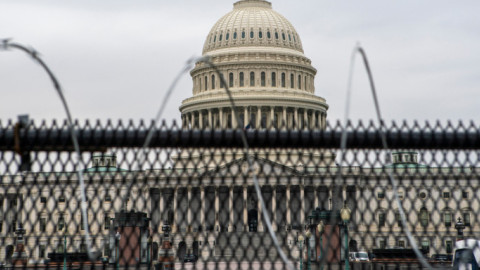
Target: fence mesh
[(190, 199)]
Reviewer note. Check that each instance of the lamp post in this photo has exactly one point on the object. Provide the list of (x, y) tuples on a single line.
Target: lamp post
[(300, 242), (320, 228), (307, 242), (64, 251), (117, 251), (459, 226), (149, 246), (345, 214)]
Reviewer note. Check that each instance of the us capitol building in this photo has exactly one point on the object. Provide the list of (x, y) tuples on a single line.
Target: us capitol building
[(207, 197)]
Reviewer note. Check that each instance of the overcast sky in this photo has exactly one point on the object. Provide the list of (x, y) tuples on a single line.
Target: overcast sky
[(116, 58)]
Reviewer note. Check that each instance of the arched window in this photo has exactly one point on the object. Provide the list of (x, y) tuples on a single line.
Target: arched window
[(215, 38), (230, 80), (283, 79), (252, 78), (206, 82), (213, 81), (200, 83), (294, 39), (252, 35), (260, 34), (234, 35), (262, 79), (289, 37), (220, 39), (227, 36), (241, 79), (305, 84), (243, 34), (269, 35), (276, 35), (274, 79), (283, 36), (423, 216), (292, 81), (299, 82)]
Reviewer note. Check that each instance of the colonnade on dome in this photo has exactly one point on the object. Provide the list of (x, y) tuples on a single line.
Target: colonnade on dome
[(258, 117)]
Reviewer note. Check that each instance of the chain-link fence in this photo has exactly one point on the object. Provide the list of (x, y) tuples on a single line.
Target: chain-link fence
[(208, 199)]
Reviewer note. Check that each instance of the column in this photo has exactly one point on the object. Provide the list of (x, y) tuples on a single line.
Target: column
[(272, 117), (259, 117), (189, 209), (210, 120), (174, 221), (217, 207), (314, 119), (302, 203), (200, 120), (305, 119), (245, 212), (231, 209), (202, 201), (296, 118), (245, 116), (220, 113), (234, 119), (289, 217), (284, 120), (273, 218)]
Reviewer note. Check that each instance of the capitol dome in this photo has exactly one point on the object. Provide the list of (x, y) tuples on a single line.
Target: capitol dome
[(252, 23), (260, 56)]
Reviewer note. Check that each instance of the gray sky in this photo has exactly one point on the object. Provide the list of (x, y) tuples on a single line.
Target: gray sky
[(116, 58)]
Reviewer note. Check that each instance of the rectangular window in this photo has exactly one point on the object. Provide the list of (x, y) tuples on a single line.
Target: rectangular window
[(252, 78), (107, 222), (274, 79), (41, 251), (425, 245), (447, 218), (465, 194), (292, 81), (381, 195), (61, 223), (283, 80), (108, 198), (61, 198), (466, 219), (381, 219), (262, 79), (43, 199), (449, 246), (446, 195), (222, 79), (43, 224), (382, 243), (399, 219), (106, 248), (401, 243)]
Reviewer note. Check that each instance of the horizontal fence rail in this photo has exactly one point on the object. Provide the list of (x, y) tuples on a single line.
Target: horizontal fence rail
[(193, 199), (92, 140)]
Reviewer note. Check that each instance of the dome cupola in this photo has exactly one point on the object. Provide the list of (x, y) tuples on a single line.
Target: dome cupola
[(252, 23)]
